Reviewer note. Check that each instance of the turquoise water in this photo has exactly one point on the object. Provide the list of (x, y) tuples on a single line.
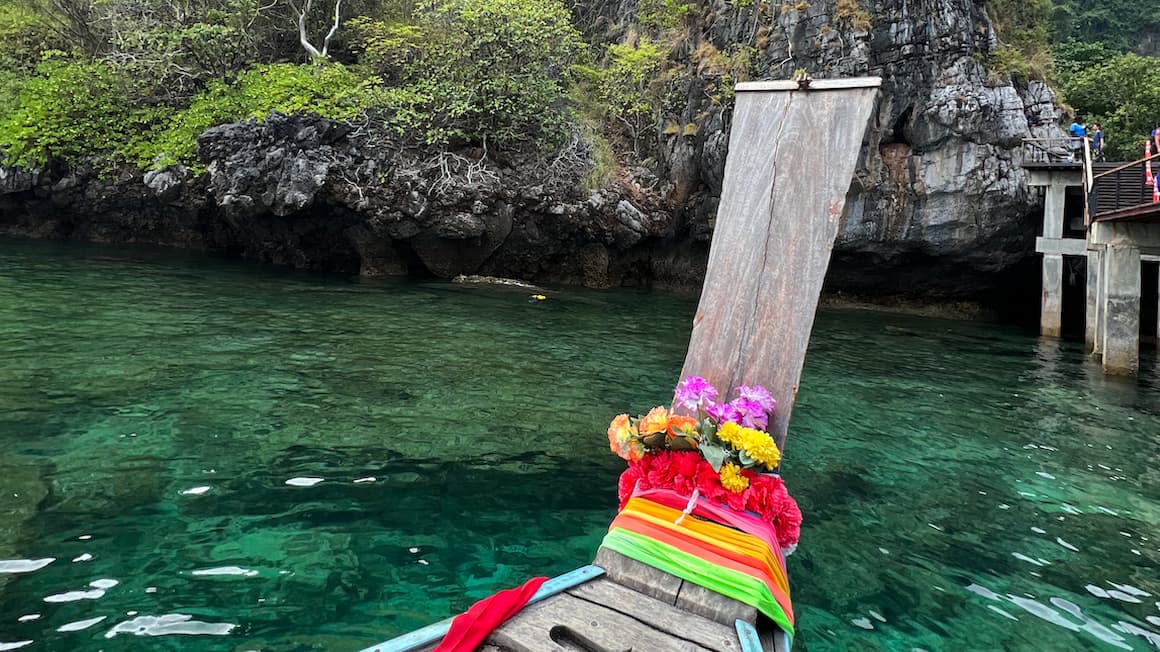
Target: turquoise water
[(224, 457)]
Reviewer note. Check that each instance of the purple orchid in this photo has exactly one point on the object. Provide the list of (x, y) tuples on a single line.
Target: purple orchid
[(750, 414), (721, 412), (759, 395), (693, 392)]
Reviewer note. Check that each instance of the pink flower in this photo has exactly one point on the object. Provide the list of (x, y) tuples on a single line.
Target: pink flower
[(759, 395), (721, 412), (693, 391), (749, 413)]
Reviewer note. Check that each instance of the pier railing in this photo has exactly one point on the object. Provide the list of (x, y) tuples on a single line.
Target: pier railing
[(1055, 152), (1122, 190)]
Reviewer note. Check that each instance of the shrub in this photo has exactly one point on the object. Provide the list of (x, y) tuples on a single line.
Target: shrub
[(1023, 27), (851, 13), (331, 91), (71, 110), (624, 87), (25, 35), (487, 71), (663, 14)]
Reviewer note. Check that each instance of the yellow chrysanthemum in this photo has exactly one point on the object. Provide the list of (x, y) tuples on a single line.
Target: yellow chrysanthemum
[(730, 433), (759, 446), (732, 479)]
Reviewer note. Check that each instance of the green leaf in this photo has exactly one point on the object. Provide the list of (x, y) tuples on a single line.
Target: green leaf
[(714, 455)]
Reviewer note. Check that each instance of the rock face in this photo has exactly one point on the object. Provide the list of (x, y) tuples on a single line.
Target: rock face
[(306, 192), (940, 205), (939, 208)]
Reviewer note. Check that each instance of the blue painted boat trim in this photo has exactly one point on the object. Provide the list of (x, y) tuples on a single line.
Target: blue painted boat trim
[(750, 641), (432, 633)]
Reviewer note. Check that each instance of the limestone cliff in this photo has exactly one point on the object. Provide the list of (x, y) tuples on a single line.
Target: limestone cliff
[(939, 208), (940, 205)]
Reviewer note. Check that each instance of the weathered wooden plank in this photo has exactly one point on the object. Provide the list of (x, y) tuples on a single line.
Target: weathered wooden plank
[(714, 606), (791, 157), (568, 624), (659, 615), (639, 577), (428, 637)]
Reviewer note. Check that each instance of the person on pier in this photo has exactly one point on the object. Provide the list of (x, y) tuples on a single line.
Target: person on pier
[(1097, 142), (1078, 132)]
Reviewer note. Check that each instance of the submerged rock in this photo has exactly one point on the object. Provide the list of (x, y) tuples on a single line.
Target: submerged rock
[(494, 280)]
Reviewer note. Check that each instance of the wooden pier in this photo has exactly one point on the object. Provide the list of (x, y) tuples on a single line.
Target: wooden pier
[(792, 152), (1115, 224)]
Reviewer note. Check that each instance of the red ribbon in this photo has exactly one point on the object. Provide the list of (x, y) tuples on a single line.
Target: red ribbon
[(470, 628)]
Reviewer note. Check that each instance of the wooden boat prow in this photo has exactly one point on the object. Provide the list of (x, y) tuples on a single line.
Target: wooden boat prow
[(617, 605), (792, 152)]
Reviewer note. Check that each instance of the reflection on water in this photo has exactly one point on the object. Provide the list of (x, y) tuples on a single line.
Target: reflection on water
[(217, 456)]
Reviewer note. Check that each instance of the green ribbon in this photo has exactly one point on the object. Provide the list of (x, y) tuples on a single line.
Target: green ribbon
[(726, 581)]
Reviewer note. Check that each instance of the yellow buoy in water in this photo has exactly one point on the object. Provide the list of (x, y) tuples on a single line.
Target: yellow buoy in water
[(539, 297)]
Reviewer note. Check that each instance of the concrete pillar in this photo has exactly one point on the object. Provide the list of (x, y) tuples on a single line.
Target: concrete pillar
[(1051, 314), (1092, 304), (1122, 310), (1053, 200)]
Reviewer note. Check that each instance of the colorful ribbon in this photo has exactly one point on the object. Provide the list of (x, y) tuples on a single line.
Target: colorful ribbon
[(733, 554)]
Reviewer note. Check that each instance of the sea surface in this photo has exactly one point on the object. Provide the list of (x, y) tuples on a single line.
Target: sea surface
[(209, 455)]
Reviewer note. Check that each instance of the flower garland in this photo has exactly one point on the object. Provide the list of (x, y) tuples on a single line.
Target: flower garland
[(723, 453), (686, 472)]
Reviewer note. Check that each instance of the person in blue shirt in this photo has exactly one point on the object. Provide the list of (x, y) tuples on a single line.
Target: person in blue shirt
[(1077, 132), (1097, 142)]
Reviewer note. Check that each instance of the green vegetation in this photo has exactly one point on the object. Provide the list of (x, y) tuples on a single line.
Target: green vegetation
[(491, 70), (134, 82), (663, 14), (1122, 94), (331, 91), (1082, 48), (69, 109), (145, 78), (1116, 24), (1024, 28), (624, 87)]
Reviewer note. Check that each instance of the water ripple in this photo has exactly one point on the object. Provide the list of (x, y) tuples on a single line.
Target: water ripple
[(24, 565), (169, 624)]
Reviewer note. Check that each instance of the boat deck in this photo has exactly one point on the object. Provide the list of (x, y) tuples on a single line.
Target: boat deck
[(618, 605)]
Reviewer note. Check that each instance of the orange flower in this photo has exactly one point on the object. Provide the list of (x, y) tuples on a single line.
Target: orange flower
[(657, 420), (633, 450), (620, 432), (682, 426)]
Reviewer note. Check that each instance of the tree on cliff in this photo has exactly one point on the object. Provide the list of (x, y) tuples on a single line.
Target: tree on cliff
[(1122, 94), (303, 11)]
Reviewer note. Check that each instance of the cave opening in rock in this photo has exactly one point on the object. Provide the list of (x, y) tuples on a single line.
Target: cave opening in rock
[(897, 134)]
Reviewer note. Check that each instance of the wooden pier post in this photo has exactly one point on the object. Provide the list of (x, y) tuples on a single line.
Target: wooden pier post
[(1051, 307), (1094, 303), (1122, 311)]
